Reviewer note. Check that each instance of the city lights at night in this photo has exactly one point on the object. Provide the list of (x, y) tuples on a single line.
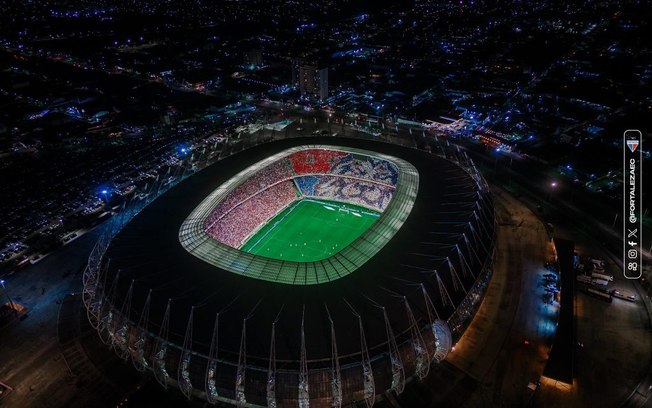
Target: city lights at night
[(325, 204)]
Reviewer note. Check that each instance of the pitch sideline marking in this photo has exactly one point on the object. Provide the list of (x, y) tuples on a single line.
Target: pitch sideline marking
[(343, 205), (274, 226)]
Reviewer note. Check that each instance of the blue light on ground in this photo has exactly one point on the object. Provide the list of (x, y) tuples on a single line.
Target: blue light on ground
[(103, 191), (183, 149)]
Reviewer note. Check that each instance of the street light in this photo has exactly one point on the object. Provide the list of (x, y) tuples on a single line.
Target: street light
[(496, 152), (553, 186), (104, 193), (11, 302)]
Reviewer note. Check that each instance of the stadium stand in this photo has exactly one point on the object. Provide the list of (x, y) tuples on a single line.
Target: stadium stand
[(363, 193), (237, 225), (264, 178), (315, 161), (307, 184), (367, 168)]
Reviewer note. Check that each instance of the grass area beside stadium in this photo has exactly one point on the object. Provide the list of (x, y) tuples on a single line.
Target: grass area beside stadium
[(310, 230)]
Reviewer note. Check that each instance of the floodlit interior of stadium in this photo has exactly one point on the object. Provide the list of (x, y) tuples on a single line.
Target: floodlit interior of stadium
[(303, 205)]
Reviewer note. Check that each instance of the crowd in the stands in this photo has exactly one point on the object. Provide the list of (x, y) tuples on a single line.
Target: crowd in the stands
[(315, 161), (363, 193), (263, 178), (237, 225), (369, 168)]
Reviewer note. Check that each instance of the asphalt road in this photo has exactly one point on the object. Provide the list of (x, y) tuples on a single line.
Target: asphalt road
[(493, 348), (30, 357)]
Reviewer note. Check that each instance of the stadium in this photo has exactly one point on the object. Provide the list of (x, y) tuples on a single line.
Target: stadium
[(303, 272)]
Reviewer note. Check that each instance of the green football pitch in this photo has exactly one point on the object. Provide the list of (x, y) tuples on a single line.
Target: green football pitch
[(310, 230)]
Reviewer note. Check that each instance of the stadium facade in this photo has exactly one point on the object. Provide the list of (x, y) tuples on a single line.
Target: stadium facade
[(206, 327)]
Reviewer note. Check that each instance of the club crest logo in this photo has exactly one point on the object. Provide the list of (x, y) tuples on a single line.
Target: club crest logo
[(633, 145)]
